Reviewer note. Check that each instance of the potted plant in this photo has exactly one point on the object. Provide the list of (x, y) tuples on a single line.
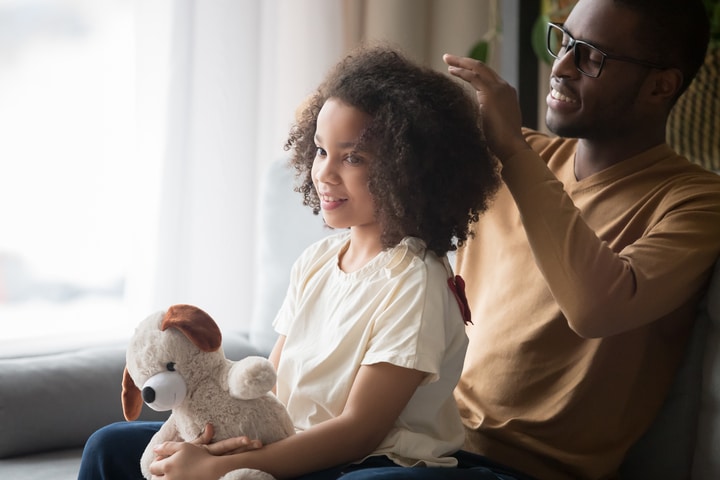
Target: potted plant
[(550, 11)]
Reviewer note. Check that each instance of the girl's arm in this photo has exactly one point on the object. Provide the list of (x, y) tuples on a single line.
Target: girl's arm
[(378, 396), (277, 351)]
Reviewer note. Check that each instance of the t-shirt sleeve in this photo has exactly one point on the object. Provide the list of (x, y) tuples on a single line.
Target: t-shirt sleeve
[(286, 314), (411, 332)]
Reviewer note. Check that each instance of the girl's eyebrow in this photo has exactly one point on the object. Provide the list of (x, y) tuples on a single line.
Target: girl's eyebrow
[(350, 144)]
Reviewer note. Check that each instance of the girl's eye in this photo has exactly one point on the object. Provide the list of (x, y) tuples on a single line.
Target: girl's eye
[(353, 159), (320, 152), (170, 366)]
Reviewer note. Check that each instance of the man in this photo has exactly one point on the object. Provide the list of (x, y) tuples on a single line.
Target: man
[(583, 277), (582, 314)]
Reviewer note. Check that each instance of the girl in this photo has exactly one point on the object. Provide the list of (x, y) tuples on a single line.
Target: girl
[(371, 333)]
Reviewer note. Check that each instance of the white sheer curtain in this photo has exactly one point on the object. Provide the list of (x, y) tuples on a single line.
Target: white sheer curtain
[(169, 214), (228, 74), (219, 81)]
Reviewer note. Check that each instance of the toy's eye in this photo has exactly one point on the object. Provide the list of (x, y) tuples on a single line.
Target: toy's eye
[(170, 366)]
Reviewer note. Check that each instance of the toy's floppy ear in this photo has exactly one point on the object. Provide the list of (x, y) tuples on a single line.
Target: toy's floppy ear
[(195, 324), (131, 397)]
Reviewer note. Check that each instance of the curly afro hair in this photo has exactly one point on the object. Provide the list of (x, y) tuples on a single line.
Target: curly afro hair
[(433, 174)]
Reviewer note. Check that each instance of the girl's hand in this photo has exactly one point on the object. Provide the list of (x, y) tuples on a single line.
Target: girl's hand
[(499, 107), (192, 460), (184, 461), (227, 446)]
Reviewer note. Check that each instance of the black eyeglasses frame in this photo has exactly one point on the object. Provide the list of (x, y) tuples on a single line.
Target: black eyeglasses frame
[(572, 45)]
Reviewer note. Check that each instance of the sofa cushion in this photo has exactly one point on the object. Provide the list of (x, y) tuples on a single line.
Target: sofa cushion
[(706, 463), (676, 439), (285, 228), (56, 401), (55, 465)]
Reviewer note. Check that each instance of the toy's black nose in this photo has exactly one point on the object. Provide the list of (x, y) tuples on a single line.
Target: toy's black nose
[(148, 394)]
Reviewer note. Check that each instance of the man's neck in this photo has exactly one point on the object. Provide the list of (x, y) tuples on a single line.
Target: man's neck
[(595, 156)]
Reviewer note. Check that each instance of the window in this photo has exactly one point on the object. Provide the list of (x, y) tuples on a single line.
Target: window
[(68, 195)]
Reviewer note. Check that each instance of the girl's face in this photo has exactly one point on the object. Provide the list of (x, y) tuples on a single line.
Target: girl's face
[(339, 175)]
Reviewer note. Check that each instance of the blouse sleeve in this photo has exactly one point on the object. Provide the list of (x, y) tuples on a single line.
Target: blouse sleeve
[(419, 322)]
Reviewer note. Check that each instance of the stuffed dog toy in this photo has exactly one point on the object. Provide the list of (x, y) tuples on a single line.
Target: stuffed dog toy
[(175, 362)]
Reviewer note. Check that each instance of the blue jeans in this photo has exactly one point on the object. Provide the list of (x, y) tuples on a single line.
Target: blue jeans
[(470, 467), (113, 453)]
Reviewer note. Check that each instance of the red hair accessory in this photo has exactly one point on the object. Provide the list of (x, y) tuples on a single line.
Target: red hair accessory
[(457, 287)]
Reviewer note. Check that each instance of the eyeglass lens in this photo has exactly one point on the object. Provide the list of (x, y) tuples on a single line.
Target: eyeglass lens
[(588, 59)]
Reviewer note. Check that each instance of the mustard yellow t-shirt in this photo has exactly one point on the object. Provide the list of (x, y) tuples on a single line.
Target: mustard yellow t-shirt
[(622, 256)]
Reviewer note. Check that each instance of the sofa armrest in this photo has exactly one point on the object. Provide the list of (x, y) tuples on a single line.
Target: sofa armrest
[(706, 462), (686, 434), (56, 401)]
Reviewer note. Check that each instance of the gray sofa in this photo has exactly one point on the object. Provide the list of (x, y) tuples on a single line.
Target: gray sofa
[(51, 401), (53, 397)]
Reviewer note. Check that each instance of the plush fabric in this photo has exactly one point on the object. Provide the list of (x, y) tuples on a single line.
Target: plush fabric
[(176, 356)]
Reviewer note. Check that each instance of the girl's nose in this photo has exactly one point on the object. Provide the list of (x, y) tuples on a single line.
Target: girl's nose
[(325, 170)]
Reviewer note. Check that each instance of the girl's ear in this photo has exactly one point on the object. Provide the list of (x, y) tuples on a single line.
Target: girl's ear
[(131, 397)]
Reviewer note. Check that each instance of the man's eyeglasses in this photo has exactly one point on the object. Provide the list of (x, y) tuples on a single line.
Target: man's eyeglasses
[(589, 60)]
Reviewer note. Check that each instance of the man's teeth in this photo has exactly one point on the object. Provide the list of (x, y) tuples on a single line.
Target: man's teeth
[(559, 96)]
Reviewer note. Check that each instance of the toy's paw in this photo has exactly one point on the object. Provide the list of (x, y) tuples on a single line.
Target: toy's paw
[(251, 377), (247, 474)]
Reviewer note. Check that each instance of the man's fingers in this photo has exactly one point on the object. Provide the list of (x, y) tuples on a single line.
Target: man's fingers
[(471, 70), (461, 62)]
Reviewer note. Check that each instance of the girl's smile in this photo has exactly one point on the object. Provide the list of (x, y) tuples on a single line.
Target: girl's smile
[(340, 172), (330, 203)]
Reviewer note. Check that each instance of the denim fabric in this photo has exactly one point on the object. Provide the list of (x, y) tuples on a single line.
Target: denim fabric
[(113, 453)]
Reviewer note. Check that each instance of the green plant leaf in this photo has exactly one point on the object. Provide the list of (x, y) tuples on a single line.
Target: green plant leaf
[(479, 51), (714, 12), (539, 39)]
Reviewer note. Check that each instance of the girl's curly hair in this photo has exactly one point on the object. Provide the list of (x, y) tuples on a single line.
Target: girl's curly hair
[(432, 174)]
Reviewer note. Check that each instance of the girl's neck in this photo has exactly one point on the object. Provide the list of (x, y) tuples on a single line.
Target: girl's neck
[(362, 248)]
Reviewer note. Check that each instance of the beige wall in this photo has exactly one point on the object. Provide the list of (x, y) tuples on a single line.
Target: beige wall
[(425, 29)]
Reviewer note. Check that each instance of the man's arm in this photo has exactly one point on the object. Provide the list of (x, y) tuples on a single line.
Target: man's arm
[(600, 291)]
